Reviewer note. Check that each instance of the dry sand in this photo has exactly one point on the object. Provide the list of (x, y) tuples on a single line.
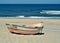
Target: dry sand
[(51, 31)]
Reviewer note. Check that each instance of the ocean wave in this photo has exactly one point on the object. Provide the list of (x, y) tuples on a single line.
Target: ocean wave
[(54, 12), (34, 17), (28, 16), (20, 16), (38, 17)]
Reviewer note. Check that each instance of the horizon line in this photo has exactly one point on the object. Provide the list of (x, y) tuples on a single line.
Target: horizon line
[(28, 3)]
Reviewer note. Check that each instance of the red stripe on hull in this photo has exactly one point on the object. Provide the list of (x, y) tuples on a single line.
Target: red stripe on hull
[(23, 31)]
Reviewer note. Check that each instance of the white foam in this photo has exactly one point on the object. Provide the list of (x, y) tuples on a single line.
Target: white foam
[(20, 16), (50, 12), (34, 17)]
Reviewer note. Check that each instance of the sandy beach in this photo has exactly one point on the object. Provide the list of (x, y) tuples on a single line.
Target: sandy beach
[(51, 31)]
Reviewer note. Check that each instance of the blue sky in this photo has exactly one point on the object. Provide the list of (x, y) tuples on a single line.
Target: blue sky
[(29, 1)]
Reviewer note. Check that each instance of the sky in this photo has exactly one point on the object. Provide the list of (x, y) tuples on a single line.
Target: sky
[(29, 1)]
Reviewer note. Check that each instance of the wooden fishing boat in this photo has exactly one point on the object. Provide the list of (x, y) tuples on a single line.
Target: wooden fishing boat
[(25, 29)]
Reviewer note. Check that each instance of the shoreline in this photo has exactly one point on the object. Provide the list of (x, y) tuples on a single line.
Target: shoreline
[(32, 17), (31, 20)]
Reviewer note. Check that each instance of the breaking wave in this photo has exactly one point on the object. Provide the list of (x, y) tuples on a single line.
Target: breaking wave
[(20, 16), (38, 17), (54, 12)]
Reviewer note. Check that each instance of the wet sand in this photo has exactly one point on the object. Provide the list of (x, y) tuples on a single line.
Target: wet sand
[(51, 31)]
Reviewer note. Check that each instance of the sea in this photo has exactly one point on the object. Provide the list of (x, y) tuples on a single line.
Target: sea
[(30, 10)]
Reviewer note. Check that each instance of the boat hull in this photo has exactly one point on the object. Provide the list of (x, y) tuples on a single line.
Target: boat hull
[(23, 31)]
